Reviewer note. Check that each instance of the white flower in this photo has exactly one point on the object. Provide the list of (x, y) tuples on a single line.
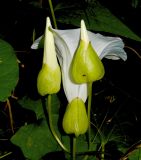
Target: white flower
[(66, 42)]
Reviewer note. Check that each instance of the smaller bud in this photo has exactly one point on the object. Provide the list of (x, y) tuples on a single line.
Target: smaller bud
[(49, 77), (75, 120), (48, 81), (86, 66)]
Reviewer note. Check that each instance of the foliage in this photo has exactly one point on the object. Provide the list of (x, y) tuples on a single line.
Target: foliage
[(8, 69), (98, 18)]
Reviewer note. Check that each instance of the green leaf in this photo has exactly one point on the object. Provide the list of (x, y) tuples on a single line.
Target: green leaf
[(8, 70), (136, 155), (132, 153), (36, 105), (35, 140), (97, 18)]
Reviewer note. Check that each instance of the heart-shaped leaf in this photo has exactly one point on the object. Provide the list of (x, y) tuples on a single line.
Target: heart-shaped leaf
[(9, 71), (35, 140)]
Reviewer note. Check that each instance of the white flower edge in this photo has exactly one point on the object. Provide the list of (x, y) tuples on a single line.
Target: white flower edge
[(67, 41), (64, 55), (105, 46), (112, 47)]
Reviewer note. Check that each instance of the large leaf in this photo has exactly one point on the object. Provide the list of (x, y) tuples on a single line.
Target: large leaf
[(97, 18), (35, 140), (8, 70)]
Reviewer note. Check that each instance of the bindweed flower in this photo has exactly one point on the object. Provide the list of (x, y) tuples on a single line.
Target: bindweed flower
[(75, 120), (90, 48), (66, 44), (86, 66), (67, 41), (49, 77)]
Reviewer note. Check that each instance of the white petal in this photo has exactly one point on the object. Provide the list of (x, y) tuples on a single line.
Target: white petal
[(108, 47), (71, 89), (84, 34), (49, 55), (36, 43), (71, 38)]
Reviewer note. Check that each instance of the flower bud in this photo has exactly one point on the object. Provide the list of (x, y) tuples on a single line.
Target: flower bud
[(49, 77), (86, 66), (48, 81), (75, 120)]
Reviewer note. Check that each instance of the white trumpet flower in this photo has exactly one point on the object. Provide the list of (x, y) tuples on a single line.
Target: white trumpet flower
[(67, 41)]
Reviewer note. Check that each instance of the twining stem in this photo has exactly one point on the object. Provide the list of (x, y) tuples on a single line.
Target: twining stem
[(74, 148), (51, 125), (10, 115), (33, 35), (7, 154), (52, 13), (89, 112), (132, 49), (49, 117)]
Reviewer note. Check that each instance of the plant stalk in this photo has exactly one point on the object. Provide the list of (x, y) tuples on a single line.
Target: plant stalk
[(102, 151), (74, 148), (48, 116), (7, 154), (10, 116), (89, 112), (52, 13)]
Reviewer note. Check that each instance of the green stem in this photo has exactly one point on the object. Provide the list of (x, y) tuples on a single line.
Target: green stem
[(33, 35), (1, 157), (89, 112), (74, 148), (52, 13), (89, 117), (48, 117), (102, 151)]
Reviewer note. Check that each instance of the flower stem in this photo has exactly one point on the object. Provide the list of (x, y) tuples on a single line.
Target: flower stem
[(102, 151), (89, 112), (74, 148), (47, 113), (52, 13), (7, 154)]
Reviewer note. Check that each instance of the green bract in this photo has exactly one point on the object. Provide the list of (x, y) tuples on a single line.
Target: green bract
[(48, 81), (49, 77), (75, 120), (86, 66)]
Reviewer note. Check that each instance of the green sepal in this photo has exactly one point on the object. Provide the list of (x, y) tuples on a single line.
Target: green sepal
[(86, 66), (75, 120), (49, 80)]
